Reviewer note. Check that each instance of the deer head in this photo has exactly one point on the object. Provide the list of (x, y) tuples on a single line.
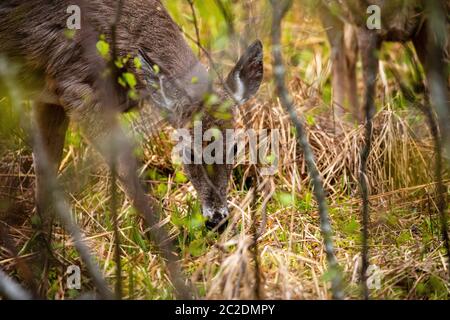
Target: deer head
[(190, 97)]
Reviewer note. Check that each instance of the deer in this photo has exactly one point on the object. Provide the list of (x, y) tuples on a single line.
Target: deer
[(345, 22), (59, 73)]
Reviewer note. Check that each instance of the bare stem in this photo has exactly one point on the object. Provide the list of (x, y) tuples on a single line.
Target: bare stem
[(117, 258), (10, 289), (195, 23), (438, 166), (439, 96), (280, 8), (55, 197)]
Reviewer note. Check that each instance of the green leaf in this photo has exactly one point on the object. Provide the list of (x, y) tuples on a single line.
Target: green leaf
[(223, 115), (73, 293), (137, 237), (310, 120), (122, 82), (35, 220), (212, 99), (421, 289), (137, 63), (330, 274), (162, 189), (177, 220), (130, 79), (69, 33), (351, 227), (285, 199), (103, 48), (270, 159), (403, 238), (180, 177), (196, 221), (132, 94), (119, 64), (197, 247)]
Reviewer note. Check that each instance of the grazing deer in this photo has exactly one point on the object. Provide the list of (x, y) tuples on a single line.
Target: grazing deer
[(61, 71), (345, 22)]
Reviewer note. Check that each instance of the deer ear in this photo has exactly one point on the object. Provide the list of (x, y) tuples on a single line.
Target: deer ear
[(246, 77), (158, 85)]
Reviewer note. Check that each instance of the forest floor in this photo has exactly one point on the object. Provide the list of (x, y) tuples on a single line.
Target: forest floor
[(406, 255)]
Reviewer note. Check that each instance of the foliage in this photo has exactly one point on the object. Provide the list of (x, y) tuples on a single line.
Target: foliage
[(405, 234)]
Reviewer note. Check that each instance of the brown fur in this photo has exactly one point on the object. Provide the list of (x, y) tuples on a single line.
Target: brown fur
[(61, 75)]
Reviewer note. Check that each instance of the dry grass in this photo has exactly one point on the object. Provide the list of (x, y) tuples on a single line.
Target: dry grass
[(405, 242), (404, 236)]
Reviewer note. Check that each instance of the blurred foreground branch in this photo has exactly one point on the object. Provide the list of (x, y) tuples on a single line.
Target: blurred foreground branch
[(437, 62), (441, 189), (280, 8), (61, 207), (118, 152), (11, 290)]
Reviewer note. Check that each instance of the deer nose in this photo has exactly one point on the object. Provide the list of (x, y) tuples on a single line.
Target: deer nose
[(217, 220)]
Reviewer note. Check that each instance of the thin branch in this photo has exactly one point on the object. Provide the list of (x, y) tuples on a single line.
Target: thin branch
[(441, 189), (365, 204), (11, 290), (280, 8), (22, 267), (114, 212), (195, 23), (369, 43), (437, 62), (437, 81), (147, 206), (254, 248), (61, 207)]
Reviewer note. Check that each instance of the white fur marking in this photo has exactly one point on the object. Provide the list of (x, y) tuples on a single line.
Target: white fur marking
[(168, 102), (240, 89), (209, 213)]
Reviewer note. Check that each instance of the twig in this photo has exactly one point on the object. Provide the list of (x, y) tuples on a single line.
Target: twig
[(441, 188), (280, 8), (23, 268), (147, 206), (10, 289), (369, 44), (114, 212), (365, 152), (195, 23), (437, 81), (254, 250), (61, 207), (438, 65)]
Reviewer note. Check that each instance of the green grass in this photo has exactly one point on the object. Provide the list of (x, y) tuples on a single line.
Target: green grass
[(404, 231)]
